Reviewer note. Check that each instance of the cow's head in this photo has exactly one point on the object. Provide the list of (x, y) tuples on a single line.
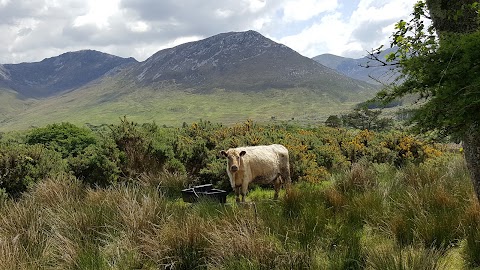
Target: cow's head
[(233, 159)]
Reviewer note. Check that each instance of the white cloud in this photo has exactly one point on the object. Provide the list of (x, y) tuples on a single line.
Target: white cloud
[(330, 35), (99, 13), (369, 26), (139, 26), (256, 5), (301, 10), (223, 13), (35, 29)]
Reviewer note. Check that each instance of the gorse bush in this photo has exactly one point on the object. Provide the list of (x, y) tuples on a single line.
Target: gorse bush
[(65, 138), (90, 157), (23, 165), (144, 148), (98, 164), (128, 151)]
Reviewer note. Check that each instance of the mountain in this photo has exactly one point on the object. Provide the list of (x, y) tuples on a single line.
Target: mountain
[(229, 77), (357, 68), (58, 74), (331, 60), (241, 61)]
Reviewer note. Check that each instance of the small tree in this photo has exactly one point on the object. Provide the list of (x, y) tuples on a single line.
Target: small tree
[(363, 118), (333, 121)]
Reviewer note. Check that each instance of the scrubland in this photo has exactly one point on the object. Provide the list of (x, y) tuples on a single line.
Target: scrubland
[(109, 198)]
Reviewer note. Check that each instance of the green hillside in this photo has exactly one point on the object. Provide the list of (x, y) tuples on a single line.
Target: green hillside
[(104, 103)]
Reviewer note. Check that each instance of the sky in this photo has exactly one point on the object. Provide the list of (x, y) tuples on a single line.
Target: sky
[(32, 30)]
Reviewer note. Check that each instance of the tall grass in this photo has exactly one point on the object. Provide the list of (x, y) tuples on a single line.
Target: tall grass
[(427, 203), (472, 234), (368, 217), (389, 258)]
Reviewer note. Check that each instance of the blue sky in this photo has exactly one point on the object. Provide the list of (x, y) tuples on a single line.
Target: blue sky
[(36, 29)]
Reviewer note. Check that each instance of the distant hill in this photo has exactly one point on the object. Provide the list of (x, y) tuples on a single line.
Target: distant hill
[(58, 74), (225, 78), (357, 68)]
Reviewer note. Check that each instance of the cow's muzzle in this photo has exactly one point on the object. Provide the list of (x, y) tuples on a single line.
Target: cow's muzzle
[(234, 168)]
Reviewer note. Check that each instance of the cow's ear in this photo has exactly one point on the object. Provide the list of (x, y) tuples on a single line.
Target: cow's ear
[(223, 153), (242, 153)]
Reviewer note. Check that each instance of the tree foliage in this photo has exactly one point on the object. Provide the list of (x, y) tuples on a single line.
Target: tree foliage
[(364, 118), (333, 121), (442, 72)]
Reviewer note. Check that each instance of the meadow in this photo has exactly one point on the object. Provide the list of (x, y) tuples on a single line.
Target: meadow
[(109, 198), (104, 103)]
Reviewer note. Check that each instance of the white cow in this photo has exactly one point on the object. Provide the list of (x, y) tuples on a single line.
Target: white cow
[(261, 164)]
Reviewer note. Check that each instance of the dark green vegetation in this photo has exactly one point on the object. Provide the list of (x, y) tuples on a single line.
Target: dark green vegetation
[(109, 199), (362, 118)]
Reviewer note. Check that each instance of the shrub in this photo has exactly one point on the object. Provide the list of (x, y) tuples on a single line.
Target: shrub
[(23, 165), (92, 159), (65, 138), (145, 148), (98, 164)]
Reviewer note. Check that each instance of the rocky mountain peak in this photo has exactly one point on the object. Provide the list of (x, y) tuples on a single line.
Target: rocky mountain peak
[(234, 60)]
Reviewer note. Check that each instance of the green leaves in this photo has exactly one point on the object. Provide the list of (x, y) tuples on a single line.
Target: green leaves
[(442, 72), (401, 25)]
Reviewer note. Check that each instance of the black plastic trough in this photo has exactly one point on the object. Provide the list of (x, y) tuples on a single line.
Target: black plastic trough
[(196, 193)]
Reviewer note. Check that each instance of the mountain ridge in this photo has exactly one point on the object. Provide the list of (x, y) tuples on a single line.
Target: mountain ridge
[(364, 68), (199, 79), (233, 60), (58, 74)]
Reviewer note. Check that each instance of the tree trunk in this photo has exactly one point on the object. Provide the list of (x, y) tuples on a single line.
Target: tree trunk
[(471, 147)]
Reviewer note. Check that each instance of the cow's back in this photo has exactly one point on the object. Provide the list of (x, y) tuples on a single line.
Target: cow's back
[(265, 162)]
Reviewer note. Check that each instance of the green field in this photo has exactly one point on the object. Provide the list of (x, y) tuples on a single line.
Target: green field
[(107, 102)]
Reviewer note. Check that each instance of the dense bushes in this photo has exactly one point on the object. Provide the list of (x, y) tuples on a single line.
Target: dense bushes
[(129, 150), (91, 157)]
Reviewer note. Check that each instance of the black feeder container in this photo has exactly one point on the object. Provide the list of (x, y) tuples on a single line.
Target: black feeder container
[(204, 192)]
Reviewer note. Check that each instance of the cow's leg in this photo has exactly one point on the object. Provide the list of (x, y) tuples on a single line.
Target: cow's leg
[(285, 173), (287, 181), (237, 193), (244, 190), (277, 184)]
